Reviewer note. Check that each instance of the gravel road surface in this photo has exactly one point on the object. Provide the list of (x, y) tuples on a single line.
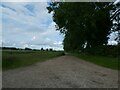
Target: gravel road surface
[(62, 72)]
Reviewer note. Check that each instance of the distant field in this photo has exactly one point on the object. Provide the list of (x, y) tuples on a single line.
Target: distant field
[(18, 58), (104, 61)]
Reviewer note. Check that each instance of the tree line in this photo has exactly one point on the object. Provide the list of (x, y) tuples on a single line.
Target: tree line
[(14, 48)]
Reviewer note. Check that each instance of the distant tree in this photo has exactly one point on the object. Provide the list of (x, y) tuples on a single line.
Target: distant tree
[(50, 49), (11, 48), (42, 49), (47, 49), (28, 48)]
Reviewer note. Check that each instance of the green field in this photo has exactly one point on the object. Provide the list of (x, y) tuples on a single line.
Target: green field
[(19, 58), (104, 61)]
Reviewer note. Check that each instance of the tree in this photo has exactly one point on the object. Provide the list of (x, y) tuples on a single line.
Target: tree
[(47, 49), (84, 24), (42, 49), (50, 49), (28, 48)]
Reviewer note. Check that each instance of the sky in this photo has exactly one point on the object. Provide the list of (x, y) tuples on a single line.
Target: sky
[(28, 24)]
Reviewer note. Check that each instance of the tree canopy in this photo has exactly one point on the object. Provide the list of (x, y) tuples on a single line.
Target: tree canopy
[(85, 25)]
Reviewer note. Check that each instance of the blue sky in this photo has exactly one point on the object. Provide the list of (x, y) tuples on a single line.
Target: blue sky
[(28, 24)]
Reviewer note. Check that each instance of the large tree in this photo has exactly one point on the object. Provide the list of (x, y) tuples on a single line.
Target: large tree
[(84, 24)]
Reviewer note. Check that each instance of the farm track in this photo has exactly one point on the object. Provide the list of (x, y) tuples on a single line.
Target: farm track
[(62, 72)]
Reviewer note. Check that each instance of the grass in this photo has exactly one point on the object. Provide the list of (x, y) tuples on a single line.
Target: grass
[(108, 62), (14, 58)]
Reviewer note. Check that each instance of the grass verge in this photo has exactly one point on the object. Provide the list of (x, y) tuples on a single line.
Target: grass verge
[(112, 63), (14, 58)]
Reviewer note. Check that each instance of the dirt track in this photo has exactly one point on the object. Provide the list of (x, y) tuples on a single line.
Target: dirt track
[(62, 72)]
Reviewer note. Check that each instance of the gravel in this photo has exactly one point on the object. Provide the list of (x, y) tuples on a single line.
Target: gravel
[(62, 72)]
